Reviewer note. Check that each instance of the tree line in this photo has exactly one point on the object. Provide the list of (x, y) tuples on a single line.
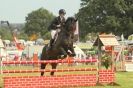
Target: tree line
[(95, 16), (108, 16)]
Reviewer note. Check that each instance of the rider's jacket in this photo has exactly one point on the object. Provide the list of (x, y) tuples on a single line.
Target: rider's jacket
[(55, 22)]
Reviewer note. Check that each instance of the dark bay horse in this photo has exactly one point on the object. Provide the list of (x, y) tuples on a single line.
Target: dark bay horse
[(63, 44)]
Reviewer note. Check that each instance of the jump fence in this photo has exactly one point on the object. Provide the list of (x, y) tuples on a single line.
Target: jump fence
[(56, 81)]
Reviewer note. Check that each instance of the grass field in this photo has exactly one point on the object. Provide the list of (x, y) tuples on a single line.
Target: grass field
[(124, 79)]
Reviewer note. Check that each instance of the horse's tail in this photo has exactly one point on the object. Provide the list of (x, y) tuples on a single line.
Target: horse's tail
[(43, 54)]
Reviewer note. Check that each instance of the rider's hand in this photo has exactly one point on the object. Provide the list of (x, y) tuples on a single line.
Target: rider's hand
[(58, 25)]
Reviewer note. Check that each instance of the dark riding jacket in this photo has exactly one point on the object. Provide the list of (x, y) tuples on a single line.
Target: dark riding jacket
[(55, 22)]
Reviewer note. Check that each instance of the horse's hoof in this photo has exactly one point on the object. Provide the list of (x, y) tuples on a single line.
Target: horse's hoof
[(72, 55), (63, 56)]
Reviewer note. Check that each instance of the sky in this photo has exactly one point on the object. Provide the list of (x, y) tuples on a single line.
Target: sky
[(15, 11)]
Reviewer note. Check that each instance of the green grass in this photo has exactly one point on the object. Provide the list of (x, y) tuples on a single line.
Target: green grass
[(124, 79)]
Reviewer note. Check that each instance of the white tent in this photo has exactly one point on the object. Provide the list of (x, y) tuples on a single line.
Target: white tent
[(1, 44), (7, 42), (2, 50), (79, 53)]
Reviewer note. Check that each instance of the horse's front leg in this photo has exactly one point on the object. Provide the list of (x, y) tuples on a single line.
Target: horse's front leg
[(63, 52), (54, 65), (72, 51)]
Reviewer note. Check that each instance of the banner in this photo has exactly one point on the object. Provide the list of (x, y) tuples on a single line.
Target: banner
[(76, 33)]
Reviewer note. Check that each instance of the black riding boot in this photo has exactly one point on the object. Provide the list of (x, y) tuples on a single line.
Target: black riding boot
[(51, 43)]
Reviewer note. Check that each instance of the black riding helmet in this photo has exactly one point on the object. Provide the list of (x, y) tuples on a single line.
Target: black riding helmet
[(62, 11)]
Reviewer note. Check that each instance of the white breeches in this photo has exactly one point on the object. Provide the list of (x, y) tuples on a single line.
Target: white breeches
[(54, 33)]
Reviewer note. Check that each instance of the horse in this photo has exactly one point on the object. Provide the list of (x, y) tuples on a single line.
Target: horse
[(63, 45)]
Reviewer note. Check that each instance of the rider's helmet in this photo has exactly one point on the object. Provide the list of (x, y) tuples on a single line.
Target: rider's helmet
[(62, 11)]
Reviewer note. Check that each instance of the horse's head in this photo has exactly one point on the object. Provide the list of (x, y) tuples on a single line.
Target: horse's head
[(70, 24)]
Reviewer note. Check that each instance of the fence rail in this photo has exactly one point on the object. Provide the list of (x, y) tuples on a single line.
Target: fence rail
[(50, 70), (49, 61)]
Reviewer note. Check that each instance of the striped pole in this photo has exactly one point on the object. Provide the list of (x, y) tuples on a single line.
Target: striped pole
[(48, 61), (50, 70)]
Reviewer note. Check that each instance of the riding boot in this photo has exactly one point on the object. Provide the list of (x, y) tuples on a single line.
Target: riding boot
[(51, 43)]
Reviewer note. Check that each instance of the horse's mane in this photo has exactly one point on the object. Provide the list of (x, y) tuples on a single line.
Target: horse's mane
[(69, 20), (68, 23)]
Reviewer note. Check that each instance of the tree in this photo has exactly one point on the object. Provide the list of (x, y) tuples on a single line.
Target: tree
[(5, 33), (106, 60), (22, 35), (37, 22), (107, 16)]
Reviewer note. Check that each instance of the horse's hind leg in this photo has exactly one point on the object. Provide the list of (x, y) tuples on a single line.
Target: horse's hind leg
[(54, 65), (42, 67)]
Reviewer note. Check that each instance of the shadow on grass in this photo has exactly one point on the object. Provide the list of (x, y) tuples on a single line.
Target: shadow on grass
[(113, 84), (99, 84)]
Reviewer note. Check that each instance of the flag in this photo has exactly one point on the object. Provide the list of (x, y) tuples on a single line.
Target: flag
[(122, 37), (17, 43), (77, 28), (15, 39), (76, 33)]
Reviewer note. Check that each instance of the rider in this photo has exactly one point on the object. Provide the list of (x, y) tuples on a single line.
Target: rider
[(56, 24)]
